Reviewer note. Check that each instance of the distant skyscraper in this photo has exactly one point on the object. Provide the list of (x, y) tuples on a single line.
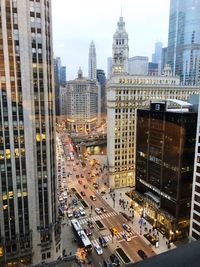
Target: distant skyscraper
[(29, 227), (153, 69), (120, 49), (101, 78), (109, 67), (138, 65), (184, 40), (59, 79), (92, 64), (163, 58), (63, 78), (157, 56)]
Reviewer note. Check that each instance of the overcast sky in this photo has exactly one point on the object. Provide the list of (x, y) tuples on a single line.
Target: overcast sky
[(77, 22)]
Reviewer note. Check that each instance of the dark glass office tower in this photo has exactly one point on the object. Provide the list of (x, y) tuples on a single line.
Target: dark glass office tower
[(184, 40), (101, 78), (165, 149)]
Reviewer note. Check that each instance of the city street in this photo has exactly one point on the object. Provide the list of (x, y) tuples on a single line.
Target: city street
[(79, 179)]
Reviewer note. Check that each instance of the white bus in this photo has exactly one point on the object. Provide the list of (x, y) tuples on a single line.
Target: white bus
[(81, 235)]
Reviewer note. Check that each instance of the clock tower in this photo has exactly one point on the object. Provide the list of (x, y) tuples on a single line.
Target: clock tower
[(120, 49)]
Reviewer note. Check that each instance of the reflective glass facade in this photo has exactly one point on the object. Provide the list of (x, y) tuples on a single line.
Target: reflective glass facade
[(184, 40), (164, 166)]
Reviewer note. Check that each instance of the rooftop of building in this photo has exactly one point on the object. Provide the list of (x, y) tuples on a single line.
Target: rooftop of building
[(71, 261), (184, 256)]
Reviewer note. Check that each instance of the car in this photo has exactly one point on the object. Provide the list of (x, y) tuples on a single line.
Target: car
[(106, 263), (74, 202), (96, 186), (93, 197), (103, 240), (114, 230), (142, 254), (103, 209), (81, 211), (98, 211), (88, 231), (103, 192), (114, 260), (69, 214), (98, 249), (126, 216), (80, 182), (90, 224), (76, 214), (126, 227), (82, 193), (126, 236)]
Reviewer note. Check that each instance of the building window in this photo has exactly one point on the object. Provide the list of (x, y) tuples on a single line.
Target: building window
[(48, 254)]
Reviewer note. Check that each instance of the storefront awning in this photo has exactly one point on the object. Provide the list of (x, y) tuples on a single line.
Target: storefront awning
[(153, 197)]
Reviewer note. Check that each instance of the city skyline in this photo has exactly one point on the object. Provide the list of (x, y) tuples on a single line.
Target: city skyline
[(84, 26)]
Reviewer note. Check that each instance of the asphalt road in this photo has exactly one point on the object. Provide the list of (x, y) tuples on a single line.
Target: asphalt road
[(110, 219)]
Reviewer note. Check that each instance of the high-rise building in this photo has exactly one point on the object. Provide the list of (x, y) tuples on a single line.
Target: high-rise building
[(126, 93), (195, 207), (109, 67), (59, 79), (101, 78), (163, 58), (157, 55), (120, 49), (165, 148), (153, 69), (29, 227), (138, 65), (92, 62), (82, 104), (63, 78), (184, 40)]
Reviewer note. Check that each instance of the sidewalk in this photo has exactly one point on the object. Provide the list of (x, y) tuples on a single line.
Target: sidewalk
[(135, 223)]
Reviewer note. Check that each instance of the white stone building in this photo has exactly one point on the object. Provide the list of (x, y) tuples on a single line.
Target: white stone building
[(82, 104), (126, 93), (120, 49)]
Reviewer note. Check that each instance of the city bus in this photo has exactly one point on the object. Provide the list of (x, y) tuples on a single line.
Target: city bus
[(81, 235)]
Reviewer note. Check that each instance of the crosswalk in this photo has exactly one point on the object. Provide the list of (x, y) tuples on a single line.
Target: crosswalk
[(117, 237), (98, 217)]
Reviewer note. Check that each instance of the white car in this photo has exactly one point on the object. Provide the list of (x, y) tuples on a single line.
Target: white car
[(98, 211), (69, 214), (82, 211), (98, 249), (126, 236)]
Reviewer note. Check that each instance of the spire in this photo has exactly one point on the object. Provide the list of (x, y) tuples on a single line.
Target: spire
[(121, 11)]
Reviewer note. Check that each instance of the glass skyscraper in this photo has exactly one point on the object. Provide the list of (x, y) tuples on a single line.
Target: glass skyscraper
[(184, 40)]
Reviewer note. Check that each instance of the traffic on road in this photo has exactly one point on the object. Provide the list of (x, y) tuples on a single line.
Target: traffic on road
[(81, 207)]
